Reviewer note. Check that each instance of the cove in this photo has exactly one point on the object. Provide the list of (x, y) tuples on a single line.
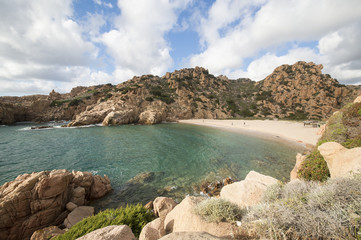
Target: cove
[(142, 162)]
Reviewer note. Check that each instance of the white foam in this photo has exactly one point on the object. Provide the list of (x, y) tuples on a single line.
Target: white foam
[(30, 128), (88, 126), (25, 129)]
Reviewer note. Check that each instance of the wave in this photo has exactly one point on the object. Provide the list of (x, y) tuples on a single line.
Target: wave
[(24, 129), (94, 172), (35, 129), (55, 125), (87, 126)]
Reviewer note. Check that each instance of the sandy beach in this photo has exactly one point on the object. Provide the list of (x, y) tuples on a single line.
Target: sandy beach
[(278, 130)]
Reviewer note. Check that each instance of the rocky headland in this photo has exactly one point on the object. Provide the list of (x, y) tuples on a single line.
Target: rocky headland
[(38, 200), (298, 91)]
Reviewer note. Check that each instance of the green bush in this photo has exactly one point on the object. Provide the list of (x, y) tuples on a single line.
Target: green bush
[(352, 143), (135, 216), (217, 210), (314, 168), (336, 130), (298, 115), (75, 102), (149, 99), (57, 103), (353, 110)]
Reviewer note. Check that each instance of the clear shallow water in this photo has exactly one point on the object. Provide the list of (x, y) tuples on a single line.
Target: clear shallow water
[(177, 157)]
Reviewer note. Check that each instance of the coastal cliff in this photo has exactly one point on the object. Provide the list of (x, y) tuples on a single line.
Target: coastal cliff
[(298, 91), (37, 200)]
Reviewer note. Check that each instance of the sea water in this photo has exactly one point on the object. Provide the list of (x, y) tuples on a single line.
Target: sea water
[(142, 162)]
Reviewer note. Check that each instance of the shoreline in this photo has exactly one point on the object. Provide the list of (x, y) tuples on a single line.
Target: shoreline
[(286, 132)]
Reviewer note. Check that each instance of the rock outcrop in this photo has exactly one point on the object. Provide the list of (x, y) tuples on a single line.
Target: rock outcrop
[(38, 200), (292, 91), (340, 160), (299, 161), (183, 219), (190, 236), (248, 192), (110, 232), (153, 230), (77, 215), (302, 91), (46, 233), (162, 206)]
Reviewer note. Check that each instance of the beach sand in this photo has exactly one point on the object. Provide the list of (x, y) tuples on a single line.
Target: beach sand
[(281, 130)]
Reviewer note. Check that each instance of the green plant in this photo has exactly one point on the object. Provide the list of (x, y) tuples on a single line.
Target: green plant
[(336, 130), (194, 104), (135, 216), (75, 102), (149, 99), (217, 210), (352, 143), (314, 168), (309, 210)]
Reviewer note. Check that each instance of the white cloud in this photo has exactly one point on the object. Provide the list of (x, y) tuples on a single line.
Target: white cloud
[(41, 46), (244, 33), (137, 42), (263, 66), (102, 3)]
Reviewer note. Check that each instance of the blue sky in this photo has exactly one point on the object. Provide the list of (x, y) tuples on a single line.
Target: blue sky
[(60, 44)]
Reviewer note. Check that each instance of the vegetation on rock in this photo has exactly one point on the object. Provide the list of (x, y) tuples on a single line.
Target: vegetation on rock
[(298, 91), (309, 210), (218, 210), (314, 168), (343, 127), (135, 216)]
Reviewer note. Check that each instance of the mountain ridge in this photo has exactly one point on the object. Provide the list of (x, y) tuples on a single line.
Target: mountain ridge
[(298, 91)]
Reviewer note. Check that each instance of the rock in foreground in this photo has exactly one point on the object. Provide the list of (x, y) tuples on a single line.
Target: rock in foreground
[(110, 232), (183, 219), (35, 201), (340, 160), (248, 192), (190, 236)]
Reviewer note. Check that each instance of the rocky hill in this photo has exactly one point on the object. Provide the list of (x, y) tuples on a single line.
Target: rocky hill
[(298, 91)]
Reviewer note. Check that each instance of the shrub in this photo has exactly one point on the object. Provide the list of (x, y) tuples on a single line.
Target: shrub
[(149, 99), (336, 131), (57, 103), (352, 143), (231, 105), (309, 210), (156, 91), (353, 110), (75, 102), (217, 210), (135, 216), (314, 168)]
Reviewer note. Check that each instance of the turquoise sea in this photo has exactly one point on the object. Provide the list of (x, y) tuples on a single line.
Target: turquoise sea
[(165, 159)]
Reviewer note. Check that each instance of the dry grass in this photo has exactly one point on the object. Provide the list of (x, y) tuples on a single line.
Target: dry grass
[(309, 210), (218, 210)]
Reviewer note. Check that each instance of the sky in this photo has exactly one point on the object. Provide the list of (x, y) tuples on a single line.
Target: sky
[(61, 44)]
